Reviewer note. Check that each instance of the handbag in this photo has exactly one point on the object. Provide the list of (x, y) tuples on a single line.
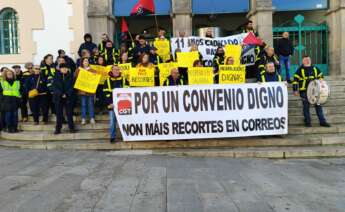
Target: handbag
[(34, 92)]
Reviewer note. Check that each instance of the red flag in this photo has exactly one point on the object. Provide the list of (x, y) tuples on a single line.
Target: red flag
[(251, 39), (124, 26), (143, 7)]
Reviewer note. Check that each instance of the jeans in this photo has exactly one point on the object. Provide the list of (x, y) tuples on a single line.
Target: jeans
[(11, 119), (87, 104), (112, 124), (285, 60), (306, 111)]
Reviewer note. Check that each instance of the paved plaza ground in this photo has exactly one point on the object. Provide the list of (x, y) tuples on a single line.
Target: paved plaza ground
[(43, 181)]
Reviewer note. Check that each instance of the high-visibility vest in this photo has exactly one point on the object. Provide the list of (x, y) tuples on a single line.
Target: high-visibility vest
[(10, 90), (109, 90), (168, 82), (263, 78), (303, 78)]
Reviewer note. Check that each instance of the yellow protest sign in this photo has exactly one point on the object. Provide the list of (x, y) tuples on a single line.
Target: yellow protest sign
[(87, 81), (232, 74), (142, 77), (103, 71), (234, 51), (125, 68), (186, 59), (164, 71), (200, 75), (163, 49)]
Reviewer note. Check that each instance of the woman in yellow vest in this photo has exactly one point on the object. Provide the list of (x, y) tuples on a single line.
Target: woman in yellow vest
[(10, 94)]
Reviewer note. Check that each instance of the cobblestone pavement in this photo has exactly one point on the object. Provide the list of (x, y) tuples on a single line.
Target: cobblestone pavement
[(44, 181)]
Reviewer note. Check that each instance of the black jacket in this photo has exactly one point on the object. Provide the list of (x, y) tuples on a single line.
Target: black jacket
[(31, 84), (88, 46), (63, 84), (285, 47), (110, 84)]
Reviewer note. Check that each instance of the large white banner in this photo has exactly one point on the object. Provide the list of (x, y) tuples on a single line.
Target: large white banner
[(208, 46), (197, 112)]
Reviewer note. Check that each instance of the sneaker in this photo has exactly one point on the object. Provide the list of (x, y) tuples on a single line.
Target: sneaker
[(325, 124), (83, 122), (25, 119), (112, 140), (92, 121), (57, 132)]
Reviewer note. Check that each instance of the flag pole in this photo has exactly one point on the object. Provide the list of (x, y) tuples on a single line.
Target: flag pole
[(156, 21)]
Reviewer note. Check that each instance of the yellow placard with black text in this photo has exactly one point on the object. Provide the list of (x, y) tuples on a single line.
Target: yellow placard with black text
[(232, 74), (234, 51), (125, 69), (103, 71), (200, 76), (163, 49), (164, 71), (186, 59), (87, 81), (142, 77)]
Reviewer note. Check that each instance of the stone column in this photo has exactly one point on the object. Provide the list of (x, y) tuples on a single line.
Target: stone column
[(101, 19), (261, 13), (336, 24), (182, 16)]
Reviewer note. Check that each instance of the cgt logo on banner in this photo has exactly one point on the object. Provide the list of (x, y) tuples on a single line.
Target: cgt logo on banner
[(198, 112), (208, 46)]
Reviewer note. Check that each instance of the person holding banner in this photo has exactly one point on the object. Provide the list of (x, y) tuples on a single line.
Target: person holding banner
[(37, 89), (194, 48), (173, 79), (198, 63), (219, 58), (271, 74), (161, 34), (228, 61), (114, 81), (303, 76), (87, 99), (63, 97), (154, 57), (144, 61)]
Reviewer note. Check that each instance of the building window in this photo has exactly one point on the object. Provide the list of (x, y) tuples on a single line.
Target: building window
[(8, 32)]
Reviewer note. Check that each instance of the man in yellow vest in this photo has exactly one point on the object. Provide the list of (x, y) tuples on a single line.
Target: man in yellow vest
[(115, 80), (303, 76), (174, 78)]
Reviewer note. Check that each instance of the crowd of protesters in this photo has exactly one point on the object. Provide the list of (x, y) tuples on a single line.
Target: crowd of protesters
[(48, 88)]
